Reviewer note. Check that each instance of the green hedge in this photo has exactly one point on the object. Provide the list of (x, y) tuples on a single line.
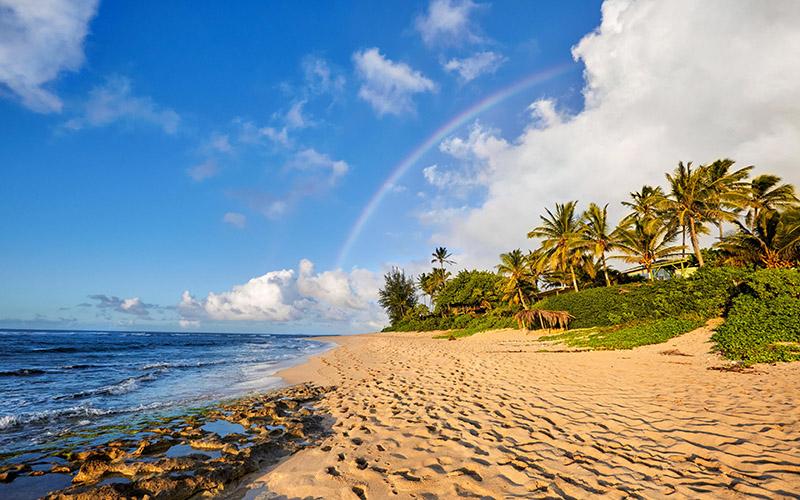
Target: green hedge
[(763, 324), (704, 295), (489, 321)]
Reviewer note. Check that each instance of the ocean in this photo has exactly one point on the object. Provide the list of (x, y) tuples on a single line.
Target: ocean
[(66, 389)]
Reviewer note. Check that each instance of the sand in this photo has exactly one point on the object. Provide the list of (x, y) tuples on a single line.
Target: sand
[(490, 416)]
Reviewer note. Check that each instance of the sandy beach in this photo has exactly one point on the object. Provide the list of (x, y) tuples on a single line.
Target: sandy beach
[(501, 415)]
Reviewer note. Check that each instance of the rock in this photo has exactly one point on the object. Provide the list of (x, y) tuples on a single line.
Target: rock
[(151, 448), (92, 470), (60, 469)]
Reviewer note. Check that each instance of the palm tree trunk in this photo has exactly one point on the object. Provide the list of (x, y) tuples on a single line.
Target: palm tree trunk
[(650, 274), (605, 269), (695, 242), (574, 280), (522, 299), (720, 230)]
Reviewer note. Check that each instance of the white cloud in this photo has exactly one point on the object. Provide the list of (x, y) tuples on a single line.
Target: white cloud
[(470, 68), (664, 81), (39, 40), (220, 143), (266, 298), (386, 85), (447, 22), (235, 219), (320, 77), (289, 295), (114, 101), (295, 117), (452, 179), (188, 323), (203, 171), (311, 159)]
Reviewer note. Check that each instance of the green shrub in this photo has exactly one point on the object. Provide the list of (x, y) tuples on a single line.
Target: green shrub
[(469, 289), (763, 323), (702, 296)]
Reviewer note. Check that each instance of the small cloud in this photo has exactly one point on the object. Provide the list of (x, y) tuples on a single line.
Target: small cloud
[(220, 143), (133, 305), (311, 159), (114, 102), (235, 219), (386, 85), (320, 77), (188, 323), (476, 65), (447, 22), (203, 171)]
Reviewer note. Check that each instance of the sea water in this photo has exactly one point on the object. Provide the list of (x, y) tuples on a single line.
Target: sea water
[(68, 389)]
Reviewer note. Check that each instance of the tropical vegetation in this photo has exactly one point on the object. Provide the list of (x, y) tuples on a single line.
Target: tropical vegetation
[(712, 242)]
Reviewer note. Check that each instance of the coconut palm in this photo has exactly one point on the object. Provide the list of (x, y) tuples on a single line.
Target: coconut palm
[(398, 296), (772, 241), (646, 241), (766, 193), (562, 247), (727, 191), (597, 235), (519, 281), (646, 203), (441, 256), (690, 203)]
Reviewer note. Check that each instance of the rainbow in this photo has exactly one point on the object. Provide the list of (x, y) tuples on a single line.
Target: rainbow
[(436, 137)]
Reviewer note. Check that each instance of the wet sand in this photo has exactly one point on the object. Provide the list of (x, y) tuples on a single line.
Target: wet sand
[(492, 416)]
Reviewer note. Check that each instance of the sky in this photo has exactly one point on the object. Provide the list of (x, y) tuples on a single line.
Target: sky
[(257, 166)]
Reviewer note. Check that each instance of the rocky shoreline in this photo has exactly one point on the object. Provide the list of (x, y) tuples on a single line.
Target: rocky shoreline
[(189, 455)]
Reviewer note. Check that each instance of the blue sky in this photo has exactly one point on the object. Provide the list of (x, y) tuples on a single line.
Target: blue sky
[(150, 150)]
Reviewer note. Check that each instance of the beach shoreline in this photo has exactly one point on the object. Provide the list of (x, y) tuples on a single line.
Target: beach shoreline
[(502, 414)]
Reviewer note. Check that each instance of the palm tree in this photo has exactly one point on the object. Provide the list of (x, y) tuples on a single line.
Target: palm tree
[(688, 202), (647, 203), (441, 256), (562, 247), (598, 235), (772, 241), (727, 191), (425, 284), (519, 281), (765, 193), (398, 296), (645, 241)]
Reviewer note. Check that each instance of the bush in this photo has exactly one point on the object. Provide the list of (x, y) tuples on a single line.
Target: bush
[(763, 324), (491, 321), (469, 289), (702, 296)]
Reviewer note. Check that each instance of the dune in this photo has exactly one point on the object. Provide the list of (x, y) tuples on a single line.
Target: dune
[(502, 415)]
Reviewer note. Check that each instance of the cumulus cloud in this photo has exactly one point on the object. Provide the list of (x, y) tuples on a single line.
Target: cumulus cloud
[(294, 295), (38, 41), (235, 219), (447, 22), (470, 68), (133, 306), (114, 102), (386, 85), (664, 81)]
